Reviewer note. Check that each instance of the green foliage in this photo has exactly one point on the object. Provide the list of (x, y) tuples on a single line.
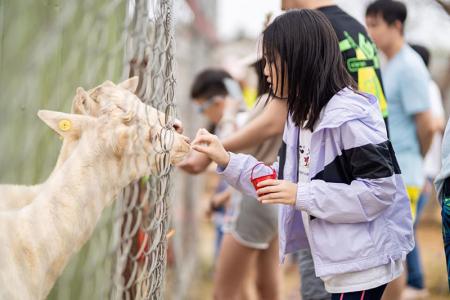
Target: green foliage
[(47, 49)]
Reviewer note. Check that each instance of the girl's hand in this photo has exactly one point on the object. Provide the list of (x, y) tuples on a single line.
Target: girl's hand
[(273, 191), (210, 145)]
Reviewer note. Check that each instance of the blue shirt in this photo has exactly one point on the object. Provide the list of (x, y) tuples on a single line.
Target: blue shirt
[(406, 84)]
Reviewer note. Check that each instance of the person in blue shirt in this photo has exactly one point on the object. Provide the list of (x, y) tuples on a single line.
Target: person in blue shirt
[(405, 79)]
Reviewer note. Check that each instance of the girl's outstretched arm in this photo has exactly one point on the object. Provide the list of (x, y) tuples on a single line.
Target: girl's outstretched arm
[(210, 145), (236, 168)]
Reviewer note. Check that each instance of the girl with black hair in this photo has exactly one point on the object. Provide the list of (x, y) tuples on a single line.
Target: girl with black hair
[(342, 194)]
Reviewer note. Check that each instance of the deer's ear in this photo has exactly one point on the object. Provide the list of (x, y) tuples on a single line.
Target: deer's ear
[(66, 125), (96, 91), (80, 103), (81, 92), (130, 84)]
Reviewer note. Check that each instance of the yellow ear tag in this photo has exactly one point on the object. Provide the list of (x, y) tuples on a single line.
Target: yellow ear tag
[(64, 125)]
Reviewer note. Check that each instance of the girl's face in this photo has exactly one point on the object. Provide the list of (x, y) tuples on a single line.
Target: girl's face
[(274, 78)]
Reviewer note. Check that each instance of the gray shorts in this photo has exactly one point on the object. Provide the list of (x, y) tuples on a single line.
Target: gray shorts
[(251, 223), (312, 287)]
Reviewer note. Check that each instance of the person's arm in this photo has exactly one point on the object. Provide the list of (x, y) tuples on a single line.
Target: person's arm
[(437, 108), (228, 123), (236, 169), (221, 199), (425, 130), (415, 98), (268, 124), (439, 125), (218, 200), (195, 163)]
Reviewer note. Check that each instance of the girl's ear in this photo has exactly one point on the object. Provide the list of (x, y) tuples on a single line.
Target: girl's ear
[(66, 125), (130, 84)]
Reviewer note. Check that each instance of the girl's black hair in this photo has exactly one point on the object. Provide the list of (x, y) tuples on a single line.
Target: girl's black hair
[(303, 48), (262, 85)]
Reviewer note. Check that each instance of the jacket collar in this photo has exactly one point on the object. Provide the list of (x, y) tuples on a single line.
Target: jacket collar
[(345, 106)]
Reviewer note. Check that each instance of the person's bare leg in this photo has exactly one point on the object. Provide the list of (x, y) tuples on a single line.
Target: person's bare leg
[(268, 272), (395, 288), (248, 290), (232, 268)]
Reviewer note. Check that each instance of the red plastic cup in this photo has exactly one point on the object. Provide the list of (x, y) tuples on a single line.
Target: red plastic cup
[(257, 180)]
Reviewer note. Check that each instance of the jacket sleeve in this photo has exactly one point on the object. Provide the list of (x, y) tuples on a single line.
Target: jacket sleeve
[(238, 172), (445, 169), (369, 159)]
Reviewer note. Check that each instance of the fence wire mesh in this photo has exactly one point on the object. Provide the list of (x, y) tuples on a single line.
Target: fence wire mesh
[(47, 49)]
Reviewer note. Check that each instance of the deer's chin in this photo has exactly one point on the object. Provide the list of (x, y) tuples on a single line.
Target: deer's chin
[(178, 157)]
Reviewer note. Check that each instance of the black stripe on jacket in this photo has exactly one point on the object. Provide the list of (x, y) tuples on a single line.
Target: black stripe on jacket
[(370, 161), (281, 160)]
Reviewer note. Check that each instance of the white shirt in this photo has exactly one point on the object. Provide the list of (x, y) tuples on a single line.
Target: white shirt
[(352, 281), (303, 168), (363, 280)]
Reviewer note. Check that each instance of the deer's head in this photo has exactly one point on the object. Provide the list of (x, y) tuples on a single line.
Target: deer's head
[(92, 102), (138, 143)]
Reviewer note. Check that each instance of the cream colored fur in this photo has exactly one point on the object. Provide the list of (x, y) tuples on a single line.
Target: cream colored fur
[(85, 103), (107, 153)]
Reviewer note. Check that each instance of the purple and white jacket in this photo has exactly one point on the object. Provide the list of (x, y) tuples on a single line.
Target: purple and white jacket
[(359, 211)]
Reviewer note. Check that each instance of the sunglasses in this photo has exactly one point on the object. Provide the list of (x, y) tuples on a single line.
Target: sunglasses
[(201, 108)]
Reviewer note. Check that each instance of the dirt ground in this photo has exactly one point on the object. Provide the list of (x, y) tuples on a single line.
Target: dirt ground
[(429, 238)]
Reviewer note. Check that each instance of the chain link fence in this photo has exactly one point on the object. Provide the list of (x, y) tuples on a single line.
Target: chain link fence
[(48, 48)]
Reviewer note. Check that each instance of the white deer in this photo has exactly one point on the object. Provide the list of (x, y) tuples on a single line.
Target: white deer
[(37, 239), (86, 103)]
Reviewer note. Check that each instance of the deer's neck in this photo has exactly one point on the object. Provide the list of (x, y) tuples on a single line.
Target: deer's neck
[(64, 214), (67, 147)]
